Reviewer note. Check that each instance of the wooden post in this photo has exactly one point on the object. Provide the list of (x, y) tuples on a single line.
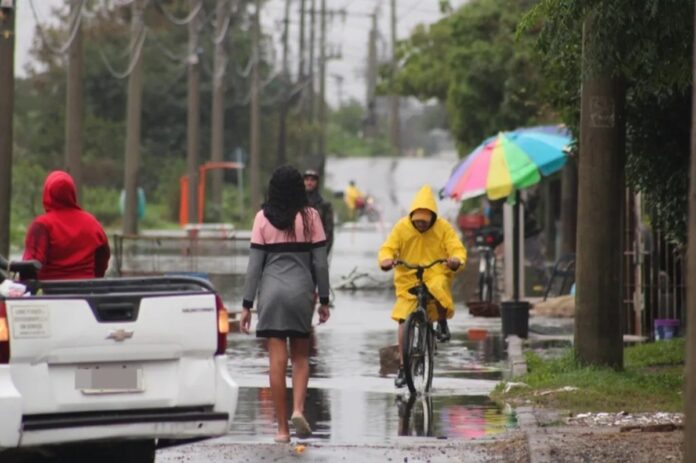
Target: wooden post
[(131, 171), (74, 107), (255, 148), (7, 31), (395, 127), (193, 114), (598, 333), (690, 383), (217, 136)]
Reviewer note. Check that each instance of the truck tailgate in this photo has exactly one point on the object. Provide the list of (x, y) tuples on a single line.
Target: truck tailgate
[(113, 352)]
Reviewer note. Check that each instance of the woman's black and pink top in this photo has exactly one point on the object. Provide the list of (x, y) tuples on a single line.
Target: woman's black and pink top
[(285, 271)]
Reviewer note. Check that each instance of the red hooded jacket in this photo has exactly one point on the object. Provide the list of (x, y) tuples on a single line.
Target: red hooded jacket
[(69, 242)]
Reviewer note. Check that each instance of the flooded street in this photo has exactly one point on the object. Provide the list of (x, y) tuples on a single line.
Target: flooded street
[(350, 401)]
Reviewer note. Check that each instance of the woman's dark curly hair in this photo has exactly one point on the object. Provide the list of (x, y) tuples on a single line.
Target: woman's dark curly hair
[(286, 198)]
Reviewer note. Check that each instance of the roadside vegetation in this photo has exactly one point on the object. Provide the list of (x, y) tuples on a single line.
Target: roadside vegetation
[(652, 381)]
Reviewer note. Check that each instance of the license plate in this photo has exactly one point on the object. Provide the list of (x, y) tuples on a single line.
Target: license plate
[(109, 379)]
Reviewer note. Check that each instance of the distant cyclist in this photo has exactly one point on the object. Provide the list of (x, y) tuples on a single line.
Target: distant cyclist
[(354, 198), (323, 207), (420, 238)]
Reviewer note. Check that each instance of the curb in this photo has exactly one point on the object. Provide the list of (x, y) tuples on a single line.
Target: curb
[(527, 419), (517, 363)]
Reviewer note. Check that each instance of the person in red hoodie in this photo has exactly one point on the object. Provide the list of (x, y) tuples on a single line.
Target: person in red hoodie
[(69, 242)]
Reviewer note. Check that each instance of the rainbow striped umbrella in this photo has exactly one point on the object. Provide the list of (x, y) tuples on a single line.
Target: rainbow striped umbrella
[(509, 161)]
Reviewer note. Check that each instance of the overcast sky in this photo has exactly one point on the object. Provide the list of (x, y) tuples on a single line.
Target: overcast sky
[(350, 36)]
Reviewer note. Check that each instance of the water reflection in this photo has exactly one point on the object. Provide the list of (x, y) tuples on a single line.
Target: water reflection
[(415, 415), (353, 416)]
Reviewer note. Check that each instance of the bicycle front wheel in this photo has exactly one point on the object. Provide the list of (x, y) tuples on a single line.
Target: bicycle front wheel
[(418, 353)]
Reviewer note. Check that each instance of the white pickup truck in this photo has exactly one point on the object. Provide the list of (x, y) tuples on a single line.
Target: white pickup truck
[(119, 366)]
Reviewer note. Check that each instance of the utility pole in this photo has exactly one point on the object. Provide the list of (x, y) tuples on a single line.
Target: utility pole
[(74, 104), (7, 36), (310, 72), (286, 31), (133, 114), (339, 87), (255, 148), (193, 115), (395, 131), (301, 79), (322, 89), (371, 77), (598, 330), (217, 117), (301, 70), (690, 383), (286, 82)]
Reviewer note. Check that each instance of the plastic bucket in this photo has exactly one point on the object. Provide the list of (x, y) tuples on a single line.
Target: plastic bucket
[(515, 318), (666, 328)]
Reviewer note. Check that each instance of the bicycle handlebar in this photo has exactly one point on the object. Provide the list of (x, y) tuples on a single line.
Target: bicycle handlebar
[(416, 267)]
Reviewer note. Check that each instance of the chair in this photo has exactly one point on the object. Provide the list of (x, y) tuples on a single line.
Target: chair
[(562, 277)]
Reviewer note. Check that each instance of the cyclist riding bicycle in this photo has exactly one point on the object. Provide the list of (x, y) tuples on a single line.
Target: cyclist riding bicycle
[(423, 237)]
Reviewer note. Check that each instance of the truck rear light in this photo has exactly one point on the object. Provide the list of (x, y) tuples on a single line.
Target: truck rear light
[(4, 335), (223, 325)]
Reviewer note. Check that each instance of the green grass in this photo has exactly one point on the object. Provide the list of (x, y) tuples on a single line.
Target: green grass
[(652, 380)]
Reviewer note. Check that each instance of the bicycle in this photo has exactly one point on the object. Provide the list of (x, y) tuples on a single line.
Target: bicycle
[(486, 240), (418, 342)]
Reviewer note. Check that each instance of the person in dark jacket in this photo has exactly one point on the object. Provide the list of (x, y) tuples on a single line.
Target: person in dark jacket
[(69, 242), (324, 208)]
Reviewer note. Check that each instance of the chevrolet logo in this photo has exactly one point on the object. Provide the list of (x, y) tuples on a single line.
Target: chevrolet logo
[(120, 335)]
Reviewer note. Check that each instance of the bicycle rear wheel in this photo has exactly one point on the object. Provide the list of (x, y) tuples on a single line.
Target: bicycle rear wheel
[(418, 353), (486, 279)]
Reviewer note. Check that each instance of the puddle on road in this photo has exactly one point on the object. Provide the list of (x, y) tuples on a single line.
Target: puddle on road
[(345, 416), (349, 402)]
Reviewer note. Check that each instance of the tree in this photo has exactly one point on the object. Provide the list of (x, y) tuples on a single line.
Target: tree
[(474, 63), (40, 115), (654, 62)]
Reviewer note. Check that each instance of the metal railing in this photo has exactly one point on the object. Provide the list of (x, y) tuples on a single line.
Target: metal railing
[(654, 273), (174, 252)]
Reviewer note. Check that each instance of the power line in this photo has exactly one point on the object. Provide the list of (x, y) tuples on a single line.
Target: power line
[(217, 40), (74, 28), (173, 19), (139, 43), (178, 58)]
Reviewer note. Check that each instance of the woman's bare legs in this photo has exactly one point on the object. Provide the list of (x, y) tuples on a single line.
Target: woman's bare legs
[(278, 357), (299, 351)]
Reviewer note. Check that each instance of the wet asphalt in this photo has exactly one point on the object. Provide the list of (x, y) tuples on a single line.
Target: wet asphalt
[(352, 403)]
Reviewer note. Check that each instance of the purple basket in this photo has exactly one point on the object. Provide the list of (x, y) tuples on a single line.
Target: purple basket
[(666, 328)]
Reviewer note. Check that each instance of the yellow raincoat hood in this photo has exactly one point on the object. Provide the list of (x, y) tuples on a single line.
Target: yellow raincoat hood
[(406, 243), (425, 199)]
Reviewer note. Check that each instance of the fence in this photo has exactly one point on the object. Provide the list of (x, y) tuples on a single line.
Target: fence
[(654, 273), (195, 251)]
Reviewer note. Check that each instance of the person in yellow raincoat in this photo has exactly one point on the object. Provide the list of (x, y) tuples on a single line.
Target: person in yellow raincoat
[(354, 199), (420, 238)]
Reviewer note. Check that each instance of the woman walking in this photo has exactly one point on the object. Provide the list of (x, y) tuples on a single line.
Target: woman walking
[(287, 262)]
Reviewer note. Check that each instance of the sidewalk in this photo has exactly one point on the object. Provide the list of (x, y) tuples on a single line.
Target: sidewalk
[(552, 437)]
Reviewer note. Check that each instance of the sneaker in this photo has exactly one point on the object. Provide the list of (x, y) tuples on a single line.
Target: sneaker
[(442, 333), (400, 380)]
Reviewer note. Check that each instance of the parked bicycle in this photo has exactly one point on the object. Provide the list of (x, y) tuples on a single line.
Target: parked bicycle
[(486, 240), (418, 344)]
